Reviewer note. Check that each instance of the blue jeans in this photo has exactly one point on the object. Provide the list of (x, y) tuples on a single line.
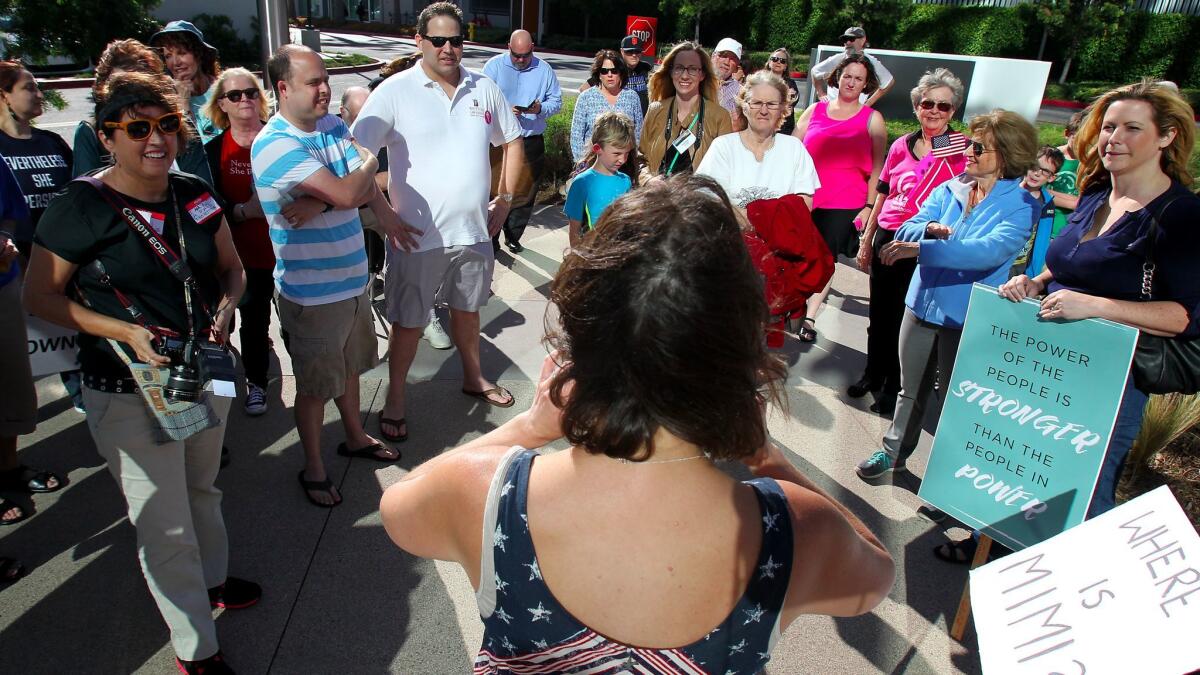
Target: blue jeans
[(1129, 423)]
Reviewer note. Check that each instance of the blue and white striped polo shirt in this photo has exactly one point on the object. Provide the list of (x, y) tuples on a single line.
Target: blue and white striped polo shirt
[(322, 260)]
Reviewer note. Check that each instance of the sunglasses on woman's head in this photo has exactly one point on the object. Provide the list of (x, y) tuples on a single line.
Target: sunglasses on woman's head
[(610, 71), (942, 106), (235, 95), (440, 41), (140, 129)]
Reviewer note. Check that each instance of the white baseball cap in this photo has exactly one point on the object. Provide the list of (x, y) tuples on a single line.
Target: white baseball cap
[(729, 45)]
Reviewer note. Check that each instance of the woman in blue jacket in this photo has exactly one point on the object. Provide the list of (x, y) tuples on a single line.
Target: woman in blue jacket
[(969, 230)]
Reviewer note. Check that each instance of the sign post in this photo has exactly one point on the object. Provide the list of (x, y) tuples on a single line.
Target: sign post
[(645, 29)]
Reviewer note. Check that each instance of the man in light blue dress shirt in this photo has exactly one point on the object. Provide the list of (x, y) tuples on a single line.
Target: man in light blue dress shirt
[(532, 90)]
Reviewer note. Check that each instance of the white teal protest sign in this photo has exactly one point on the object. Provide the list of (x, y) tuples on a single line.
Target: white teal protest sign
[(1027, 416), (1118, 594)]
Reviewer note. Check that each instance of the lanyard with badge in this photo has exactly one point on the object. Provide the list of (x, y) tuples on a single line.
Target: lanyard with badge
[(687, 138)]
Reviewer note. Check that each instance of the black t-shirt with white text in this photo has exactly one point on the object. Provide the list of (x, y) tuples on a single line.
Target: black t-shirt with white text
[(80, 226), (42, 166)]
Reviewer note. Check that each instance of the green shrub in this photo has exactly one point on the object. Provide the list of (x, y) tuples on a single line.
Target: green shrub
[(558, 142)]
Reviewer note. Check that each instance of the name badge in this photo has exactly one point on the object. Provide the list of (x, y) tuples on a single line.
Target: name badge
[(202, 208), (686, 140)]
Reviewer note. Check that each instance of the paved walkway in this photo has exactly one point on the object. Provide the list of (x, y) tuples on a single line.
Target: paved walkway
[(341, 598)]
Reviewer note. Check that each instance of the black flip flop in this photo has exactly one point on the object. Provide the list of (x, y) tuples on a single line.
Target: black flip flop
[(393, 438), (25, 479), (5, 505), (11, 569), (368, 452), (325, 486)]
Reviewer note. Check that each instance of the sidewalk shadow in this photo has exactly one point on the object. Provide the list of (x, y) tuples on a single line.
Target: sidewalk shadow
[(924, 584)]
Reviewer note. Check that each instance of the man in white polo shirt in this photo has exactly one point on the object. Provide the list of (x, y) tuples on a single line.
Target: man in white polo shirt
[(437, 121)]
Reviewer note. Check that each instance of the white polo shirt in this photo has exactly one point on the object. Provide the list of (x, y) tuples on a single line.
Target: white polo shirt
[(439, 173)]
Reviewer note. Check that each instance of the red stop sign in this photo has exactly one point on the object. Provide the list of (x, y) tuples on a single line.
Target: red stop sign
[(644, 29)]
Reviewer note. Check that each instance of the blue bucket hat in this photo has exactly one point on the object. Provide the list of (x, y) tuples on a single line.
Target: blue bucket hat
[(181, 26)]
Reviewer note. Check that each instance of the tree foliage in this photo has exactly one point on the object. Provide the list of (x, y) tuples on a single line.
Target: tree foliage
[(77, 28), (1071, 22)]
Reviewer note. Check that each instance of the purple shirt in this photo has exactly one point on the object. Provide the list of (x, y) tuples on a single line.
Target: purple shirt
[(1110, 265)]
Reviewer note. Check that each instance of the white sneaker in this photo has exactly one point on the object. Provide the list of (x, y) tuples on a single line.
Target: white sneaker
[(256, 400), (435, 334)]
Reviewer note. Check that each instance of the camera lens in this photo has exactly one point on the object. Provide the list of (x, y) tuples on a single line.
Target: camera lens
[(183, 384)]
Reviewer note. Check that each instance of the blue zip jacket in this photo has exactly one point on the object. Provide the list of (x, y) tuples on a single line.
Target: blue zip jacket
[(981, 248)]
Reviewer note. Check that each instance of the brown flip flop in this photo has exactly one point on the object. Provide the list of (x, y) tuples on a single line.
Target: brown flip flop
[(483, 395)]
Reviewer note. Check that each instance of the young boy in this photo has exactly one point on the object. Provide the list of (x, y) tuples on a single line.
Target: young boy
[(1063, 188), (593, 190), (1032, 258)]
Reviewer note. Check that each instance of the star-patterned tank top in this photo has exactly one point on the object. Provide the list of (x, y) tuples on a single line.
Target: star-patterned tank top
[(526, 630)]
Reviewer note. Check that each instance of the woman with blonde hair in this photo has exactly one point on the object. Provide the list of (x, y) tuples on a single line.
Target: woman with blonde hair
[(239, 107), (684, 116), (780, 63), (1128, 253)]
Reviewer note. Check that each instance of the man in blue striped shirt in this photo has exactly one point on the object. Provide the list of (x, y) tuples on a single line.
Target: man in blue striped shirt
[(311, 179)]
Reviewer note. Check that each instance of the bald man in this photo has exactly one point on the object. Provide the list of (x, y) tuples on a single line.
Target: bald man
[(531, 88)]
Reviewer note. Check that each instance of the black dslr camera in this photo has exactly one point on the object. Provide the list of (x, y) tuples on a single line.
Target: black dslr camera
[(193, 365)]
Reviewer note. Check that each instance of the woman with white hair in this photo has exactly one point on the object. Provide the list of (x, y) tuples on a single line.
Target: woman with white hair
[(912, 169), (759, 162)]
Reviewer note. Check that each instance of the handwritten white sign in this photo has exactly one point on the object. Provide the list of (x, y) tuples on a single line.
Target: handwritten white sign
[(52, 348), (1118, 594)]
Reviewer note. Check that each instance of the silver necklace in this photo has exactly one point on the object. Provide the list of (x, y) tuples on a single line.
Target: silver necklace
[(665, 461)]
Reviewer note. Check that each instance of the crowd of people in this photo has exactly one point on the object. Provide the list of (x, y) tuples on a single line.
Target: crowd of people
[(196, 197)]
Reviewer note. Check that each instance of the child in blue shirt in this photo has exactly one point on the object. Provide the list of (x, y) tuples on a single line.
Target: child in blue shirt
[(1032, 258), (595, 188)]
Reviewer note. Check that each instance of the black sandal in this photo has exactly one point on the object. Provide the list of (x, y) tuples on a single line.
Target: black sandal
[(325, 486), (6, 505), (395, 422), (369, 452), (11, 569), (807, 333), (25, 479), (957, 552)]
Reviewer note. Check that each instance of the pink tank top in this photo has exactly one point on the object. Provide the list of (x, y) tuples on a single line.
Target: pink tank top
[(841, 151)]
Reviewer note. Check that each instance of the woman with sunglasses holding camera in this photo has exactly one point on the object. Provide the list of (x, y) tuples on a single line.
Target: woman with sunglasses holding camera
[(912, 168), (168, 486), (237, 108)]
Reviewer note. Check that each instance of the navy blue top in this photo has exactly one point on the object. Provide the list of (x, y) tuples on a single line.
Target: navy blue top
[(1110, 265), (530, 629)]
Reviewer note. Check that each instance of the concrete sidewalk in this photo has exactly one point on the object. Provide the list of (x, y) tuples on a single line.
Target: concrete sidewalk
[(340, 598)]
